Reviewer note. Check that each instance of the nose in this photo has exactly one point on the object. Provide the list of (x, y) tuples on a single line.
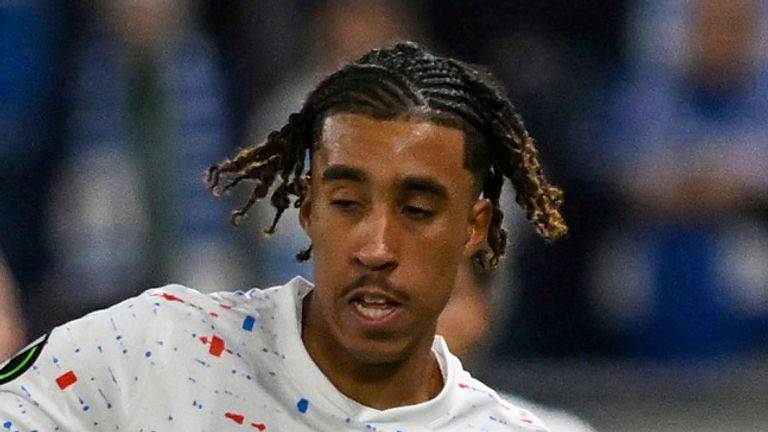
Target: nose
[(378, 252)]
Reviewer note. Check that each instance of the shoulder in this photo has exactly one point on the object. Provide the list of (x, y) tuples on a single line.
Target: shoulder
[(556, 420), (108, 362), (107, 334), (498, 413), (115, 336), (85, 366), (475, 405)]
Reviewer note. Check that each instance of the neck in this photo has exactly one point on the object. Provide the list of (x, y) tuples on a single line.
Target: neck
[(416, 378)]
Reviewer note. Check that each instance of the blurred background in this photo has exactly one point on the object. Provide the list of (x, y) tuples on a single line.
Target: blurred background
[(651, 115)]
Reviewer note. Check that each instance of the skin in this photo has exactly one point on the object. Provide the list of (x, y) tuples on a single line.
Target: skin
[(722, 39), (391, 212), (145, 26)]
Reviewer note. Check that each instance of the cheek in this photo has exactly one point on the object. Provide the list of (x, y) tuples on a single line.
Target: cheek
[(328, 243), (326, 227), (433, 267), (329, 250), (439, 246), (444, 248)]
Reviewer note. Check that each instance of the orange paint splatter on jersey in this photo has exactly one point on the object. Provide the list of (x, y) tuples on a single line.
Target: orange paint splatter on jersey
[(237, 418), (66, 379), (217, 346), (171, 297)]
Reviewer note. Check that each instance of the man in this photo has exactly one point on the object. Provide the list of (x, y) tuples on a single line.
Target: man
[(465, 324), (401, 145)]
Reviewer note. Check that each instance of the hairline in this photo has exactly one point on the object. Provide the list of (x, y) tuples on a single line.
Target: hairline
[(471, 136)]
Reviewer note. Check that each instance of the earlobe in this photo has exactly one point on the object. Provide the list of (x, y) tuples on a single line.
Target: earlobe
[(480, 221)]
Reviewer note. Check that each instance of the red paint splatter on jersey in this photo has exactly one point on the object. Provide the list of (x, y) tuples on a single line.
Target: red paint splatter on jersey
[(237, 418), (462, 385), (214, 314), (204, 339), (225, 306), (259, 426), (525, 418), (217, 346), (171, 297), (66, 379)]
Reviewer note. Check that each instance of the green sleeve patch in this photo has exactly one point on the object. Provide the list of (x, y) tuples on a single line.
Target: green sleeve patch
[(19, 364)]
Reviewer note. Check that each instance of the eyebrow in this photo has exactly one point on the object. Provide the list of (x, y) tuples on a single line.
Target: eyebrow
[(419, 184), (344, 172), (426, 185)]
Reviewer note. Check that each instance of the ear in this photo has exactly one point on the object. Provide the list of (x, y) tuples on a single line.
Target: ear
[(479, 222), (305, 211)]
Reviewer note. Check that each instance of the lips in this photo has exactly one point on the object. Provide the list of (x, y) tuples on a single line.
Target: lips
[(374, 307)]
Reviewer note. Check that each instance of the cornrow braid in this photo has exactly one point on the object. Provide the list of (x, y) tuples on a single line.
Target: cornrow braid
[(282, 153), (397, 81)]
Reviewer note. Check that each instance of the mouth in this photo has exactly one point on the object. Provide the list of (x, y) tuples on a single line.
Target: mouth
[(376, 308), (373, 307)]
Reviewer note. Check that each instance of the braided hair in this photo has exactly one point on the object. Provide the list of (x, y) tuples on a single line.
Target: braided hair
[(399, 81)]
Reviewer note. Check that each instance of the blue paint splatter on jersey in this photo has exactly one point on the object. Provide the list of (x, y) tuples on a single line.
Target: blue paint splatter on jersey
[(248, 323), (103, 396), (302, 406), (112, 374), (84, 405)]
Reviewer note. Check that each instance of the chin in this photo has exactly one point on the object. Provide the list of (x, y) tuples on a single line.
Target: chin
[(380, 352)]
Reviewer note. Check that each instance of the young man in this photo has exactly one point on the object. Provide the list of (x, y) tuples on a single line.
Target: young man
[(465, 324), (401, 145)]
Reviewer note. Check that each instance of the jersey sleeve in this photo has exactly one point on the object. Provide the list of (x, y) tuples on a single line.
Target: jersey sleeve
[(80, 376)]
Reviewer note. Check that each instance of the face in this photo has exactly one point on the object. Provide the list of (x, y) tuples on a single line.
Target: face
[(391, 213), (722, 36), (146, 23)]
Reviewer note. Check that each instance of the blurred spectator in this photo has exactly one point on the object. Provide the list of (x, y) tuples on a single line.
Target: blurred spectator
[(475, 307), (146, 117), (340, 31), (684, 138), (12, 328)]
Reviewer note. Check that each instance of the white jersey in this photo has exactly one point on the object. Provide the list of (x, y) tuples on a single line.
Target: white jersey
[(173, 359), (556, 420)]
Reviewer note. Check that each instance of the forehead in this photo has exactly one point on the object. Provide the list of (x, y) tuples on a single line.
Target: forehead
[(408, 146)]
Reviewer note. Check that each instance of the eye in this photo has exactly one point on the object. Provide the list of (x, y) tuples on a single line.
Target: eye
[(345, 205), (416, 212)]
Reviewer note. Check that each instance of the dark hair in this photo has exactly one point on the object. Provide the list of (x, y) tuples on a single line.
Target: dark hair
[(406, 80)]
